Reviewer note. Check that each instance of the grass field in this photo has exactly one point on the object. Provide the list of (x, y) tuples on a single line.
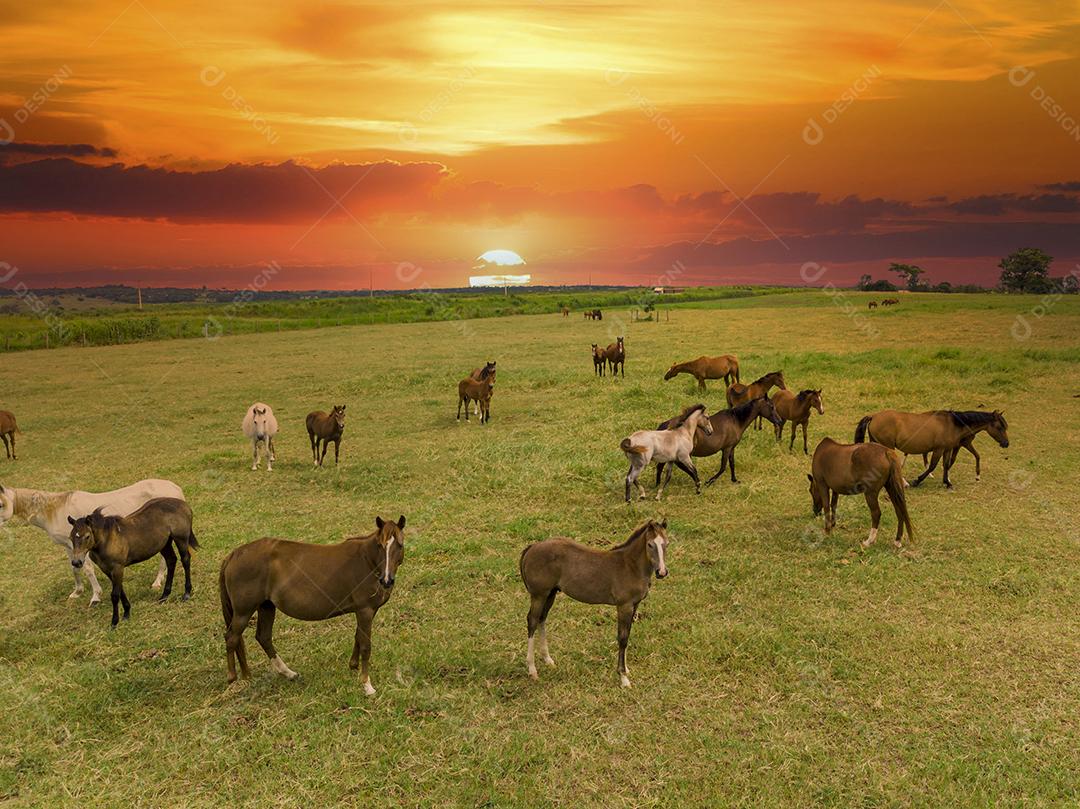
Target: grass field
[(774, 666)]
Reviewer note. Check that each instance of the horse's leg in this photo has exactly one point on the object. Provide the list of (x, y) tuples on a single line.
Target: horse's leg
[(946, 465), (791, 444), (325, 447), (701, 384), (731, 462), (545, 655), (362, 648), (14, 457), (832, 506), (779, 430), (536, 609), (337, 449), (875, 516), (926, 472), (314, 449), (264, 634), (970, 447), (234, 645), (626, 620), (115, 596), (254, 454), (168, 555), (688, 467), (273, 457), (159, 579), (123, 597), (659, 471), (667, 479), (7, 449), (185, 560), (805, 449), (720, 471), (95, 588)]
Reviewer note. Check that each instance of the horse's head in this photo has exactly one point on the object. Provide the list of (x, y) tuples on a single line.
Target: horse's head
[(672, 372), (703, 421), (777, 378), (619, 341), (656, 547), (815, 401), (763, 406), (339, 415), (819, 504), (83, 537), (391, 548), (259, 419), (998, 429), (7, 504)]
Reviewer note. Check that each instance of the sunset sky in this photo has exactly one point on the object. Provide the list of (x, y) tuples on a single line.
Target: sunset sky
[(156, 142)]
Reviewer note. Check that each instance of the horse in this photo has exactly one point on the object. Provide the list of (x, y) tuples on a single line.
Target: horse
[(260, 427), (615, 354), (324, 428), (724, 367), (566, 311), (739, 393), (471, 390), (728, 427), (599, 361), (485, 372), (597, 314), (941, 432), (859, 469), (50, 511), (796, 409), (620, 576), (672, 444), (872, 305), (8, 428), (117, 542), (310, 583)]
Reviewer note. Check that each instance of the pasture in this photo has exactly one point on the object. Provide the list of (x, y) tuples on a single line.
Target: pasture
[(773, 666)]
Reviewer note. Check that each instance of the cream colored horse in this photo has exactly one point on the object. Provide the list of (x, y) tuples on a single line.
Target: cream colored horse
[(670, 446), (260, 426), (49, 511)]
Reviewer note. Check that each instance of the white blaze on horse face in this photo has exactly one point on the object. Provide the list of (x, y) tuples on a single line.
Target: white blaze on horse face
[(386, 570), (661, 568)]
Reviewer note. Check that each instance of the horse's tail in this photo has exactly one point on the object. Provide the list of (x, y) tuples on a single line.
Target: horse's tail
[(860, 431), (521, 561), (626, 446), (894, 488), (223, 590), (192, 541)]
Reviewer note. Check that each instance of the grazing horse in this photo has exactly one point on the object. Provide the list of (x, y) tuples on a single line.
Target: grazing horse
[(796, 409), (486, 372), (471, 390), (859, 469), (671, 445), (872, 305), (941, 432), (728, 427), (50, 511), (260, 427), (598, 359), (588, 314), (621, 576), (8, 428), (615, 354), (724, 367), (310, 583), (117, 542), (322, 428)]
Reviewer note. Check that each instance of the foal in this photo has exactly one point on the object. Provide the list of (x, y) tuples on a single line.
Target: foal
[(665, 446), (324, 428), (470, 390), (485, 372), (598, 359), (8, 428), (113, 543), (260, 426), (796, 409), (621, 576), (311, 583), (616, 356)]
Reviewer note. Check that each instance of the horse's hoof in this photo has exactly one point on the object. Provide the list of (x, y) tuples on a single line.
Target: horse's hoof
[(533, 674), (624, 681), (369, 689), (550, 661), (74, 594), (112, 628), (94, 601), (186, 597)]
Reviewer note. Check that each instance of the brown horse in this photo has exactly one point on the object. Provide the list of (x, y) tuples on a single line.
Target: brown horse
[(859, 469), (724, 367), (8, 428), (324, 428), (114, 543), (310, 583), (615, 354), (739, 393), (796, 409), (598, 359), (871, 305), (565, 311), (486, 372), (471, 390), (621, 576), (940, 432), (728, 427)]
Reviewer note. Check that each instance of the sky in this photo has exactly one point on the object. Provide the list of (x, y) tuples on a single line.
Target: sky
[(164, 143)]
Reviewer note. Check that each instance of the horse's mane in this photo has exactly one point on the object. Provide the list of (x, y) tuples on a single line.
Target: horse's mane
[(680, 419), (486, 371), (804, 393), (740, 410), (638, 532), (972, 418), (110, 522), (760, 380)]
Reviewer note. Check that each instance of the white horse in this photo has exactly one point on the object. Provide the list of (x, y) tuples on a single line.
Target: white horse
[(671, 446), (49, 511), (261, 426)]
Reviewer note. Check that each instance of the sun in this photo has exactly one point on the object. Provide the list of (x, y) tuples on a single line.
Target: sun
[(501, 258)]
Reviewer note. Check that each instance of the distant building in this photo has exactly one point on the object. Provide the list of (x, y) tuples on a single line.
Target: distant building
[(668, 290)]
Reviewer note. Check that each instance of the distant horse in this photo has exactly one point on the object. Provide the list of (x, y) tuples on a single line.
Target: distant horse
[(322, 428), (599, 361), (621, 576), (615, 354), (310, 583), (859, 469), (260, 427), (872, 305), (796, 409), (8, 428), (565, 311), (50, 511), (117, 542), (725, 367), (597, 314), (485, 372), (470, 390), (672, 444), (941, 432), (739, 393), (728, 427), (890, 302)]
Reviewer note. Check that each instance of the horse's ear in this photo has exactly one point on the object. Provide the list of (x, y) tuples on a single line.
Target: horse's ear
[(379, 523), (401, 521), (71, 519), (663, 523)]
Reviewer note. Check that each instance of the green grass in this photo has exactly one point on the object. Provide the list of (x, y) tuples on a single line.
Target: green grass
[(775, 666)]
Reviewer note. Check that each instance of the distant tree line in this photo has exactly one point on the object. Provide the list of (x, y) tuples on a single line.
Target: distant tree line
[(1025, 270)]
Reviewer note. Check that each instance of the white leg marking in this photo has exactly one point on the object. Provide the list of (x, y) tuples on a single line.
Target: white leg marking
[(545, 655), (278, 665), (870, 540), (95, 596), (369, 689), (624, 681), (530, 661), (159, 580)]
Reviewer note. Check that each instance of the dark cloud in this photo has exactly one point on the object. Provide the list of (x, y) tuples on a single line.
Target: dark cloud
[(82, 150), (1071, 186)]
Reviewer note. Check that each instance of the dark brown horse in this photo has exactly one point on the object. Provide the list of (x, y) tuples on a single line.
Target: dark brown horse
[(114, 543), (725, 367), (738, 393), (599, 361), (8, 428), (940, 432), (859, 469), (796, 409), (310, 583), (322, 428), (871, 305), (471, 390), (728, 427), (621, 576), (615, 354)]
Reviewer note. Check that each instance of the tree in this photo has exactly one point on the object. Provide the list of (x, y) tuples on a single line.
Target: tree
[(1025, 270), (865, 281), (909, 272)]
